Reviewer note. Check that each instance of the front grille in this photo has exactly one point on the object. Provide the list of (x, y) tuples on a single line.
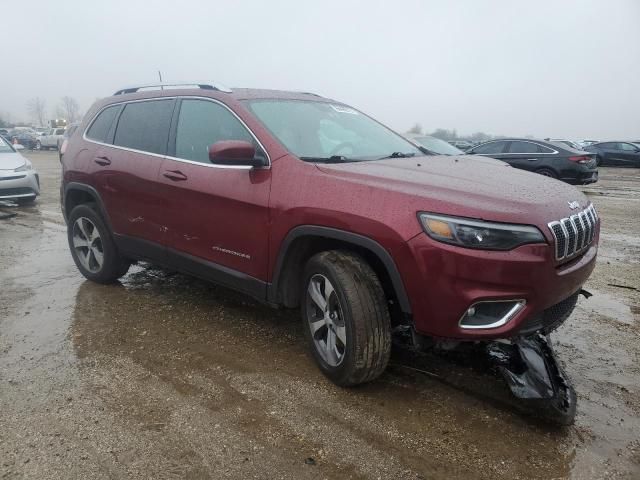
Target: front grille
[(574, 234)]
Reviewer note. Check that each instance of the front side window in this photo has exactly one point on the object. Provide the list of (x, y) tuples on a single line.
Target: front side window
[(202, 123), (491, 148), (100, 127), (316, 131), (627, 147), (145, 125)]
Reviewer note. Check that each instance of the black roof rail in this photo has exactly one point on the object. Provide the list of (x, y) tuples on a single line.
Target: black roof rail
[(203, 85)]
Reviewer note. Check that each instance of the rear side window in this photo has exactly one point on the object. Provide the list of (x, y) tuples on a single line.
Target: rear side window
[(524, 147), (100, 127), (490, 148), (202, 123), (145, 126)]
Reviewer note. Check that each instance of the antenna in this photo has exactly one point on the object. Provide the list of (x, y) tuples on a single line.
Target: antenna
[(160, 76)]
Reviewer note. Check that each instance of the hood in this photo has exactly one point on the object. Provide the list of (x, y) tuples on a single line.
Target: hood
[(11, 160), (467, 186)]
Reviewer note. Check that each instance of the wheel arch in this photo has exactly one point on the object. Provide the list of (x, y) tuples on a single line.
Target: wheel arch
[(79, 193), (302, 242)]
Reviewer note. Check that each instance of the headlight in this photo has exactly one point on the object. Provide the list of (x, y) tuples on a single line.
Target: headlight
[(24, 168), (478, 234)]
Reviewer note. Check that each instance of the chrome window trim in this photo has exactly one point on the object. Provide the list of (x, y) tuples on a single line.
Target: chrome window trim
[(520, 303), (169, 157)]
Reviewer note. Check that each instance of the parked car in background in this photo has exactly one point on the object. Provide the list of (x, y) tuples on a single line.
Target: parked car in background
[(568, 143), (25, 137), (617, 154), (62, 142), (42, 130), (18, 180), (50, 139), (584, 143), (434, 146), (463, 145), (555, 160)]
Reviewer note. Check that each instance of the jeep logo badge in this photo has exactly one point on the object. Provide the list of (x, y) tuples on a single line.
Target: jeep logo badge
[(573, 205)]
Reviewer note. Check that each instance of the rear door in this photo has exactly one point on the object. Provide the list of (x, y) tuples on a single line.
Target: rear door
[(127, 166), (216, 215), (527, 155)]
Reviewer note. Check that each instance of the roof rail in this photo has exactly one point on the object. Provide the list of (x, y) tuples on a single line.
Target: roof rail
[(203, 85)]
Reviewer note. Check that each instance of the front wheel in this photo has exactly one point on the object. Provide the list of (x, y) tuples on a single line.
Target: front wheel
[(346, 318), (92, 247), (38, 145)]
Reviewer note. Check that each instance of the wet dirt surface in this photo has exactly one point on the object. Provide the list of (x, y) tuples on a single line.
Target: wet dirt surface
[(164, 376)]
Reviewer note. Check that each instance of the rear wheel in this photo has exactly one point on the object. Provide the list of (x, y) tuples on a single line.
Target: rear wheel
[(547, 172), (38, 145), (346, 318), (92, 247)]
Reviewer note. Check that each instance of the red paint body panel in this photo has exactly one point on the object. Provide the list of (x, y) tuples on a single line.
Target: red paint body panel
[(240, 219), (218, 210)]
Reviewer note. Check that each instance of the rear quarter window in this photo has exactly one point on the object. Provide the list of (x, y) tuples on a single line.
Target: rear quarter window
[(100, 127)]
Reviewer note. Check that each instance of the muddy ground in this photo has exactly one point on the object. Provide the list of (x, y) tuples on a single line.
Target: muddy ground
[(164, 376)]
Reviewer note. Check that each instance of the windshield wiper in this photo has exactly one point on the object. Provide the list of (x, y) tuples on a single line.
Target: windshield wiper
[(398, 155), (331, 159)]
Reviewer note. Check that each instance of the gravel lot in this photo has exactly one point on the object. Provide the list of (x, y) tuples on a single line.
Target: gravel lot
[(164, 376)]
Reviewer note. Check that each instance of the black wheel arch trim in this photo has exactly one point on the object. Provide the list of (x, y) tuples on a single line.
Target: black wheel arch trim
[(349, 237), (77, 186)]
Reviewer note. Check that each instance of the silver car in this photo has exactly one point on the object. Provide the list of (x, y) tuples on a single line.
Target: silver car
[(18, 180)]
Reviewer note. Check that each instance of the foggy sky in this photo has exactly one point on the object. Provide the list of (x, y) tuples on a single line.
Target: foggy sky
[(547, 68)]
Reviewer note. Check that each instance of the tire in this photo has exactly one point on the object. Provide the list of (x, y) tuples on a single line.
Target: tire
[(38, 145), (598, 161), (92, 247), (547, 172), (25, 200), (356, 317)]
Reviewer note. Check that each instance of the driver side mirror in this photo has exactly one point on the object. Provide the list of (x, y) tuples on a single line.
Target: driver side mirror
[(234, 152)]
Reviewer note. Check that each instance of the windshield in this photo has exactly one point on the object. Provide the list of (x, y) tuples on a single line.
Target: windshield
[(316, 131), (438, 146), (4, 146)]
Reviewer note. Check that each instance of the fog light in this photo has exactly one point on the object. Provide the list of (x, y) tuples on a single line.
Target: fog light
[(491, 313)]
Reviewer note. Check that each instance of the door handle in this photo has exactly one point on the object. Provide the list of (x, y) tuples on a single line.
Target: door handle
[(104, 161), (175, 175)]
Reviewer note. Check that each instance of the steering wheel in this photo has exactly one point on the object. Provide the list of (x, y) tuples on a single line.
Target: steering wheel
[(339, 147)]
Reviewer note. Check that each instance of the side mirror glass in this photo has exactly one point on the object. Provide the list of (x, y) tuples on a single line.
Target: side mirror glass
[(234, 152)]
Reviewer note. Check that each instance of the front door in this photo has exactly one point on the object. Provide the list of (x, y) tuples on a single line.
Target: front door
[(217, 217)]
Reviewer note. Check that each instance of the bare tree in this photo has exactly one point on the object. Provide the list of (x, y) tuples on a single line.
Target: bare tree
[(70, 108), (417, 128), (37, 109)]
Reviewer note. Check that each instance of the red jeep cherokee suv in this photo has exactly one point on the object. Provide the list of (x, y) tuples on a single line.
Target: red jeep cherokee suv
[(300, 200)]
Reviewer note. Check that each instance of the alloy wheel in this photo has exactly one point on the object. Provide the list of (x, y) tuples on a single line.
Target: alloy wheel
[(326, 321), (88, 244)]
